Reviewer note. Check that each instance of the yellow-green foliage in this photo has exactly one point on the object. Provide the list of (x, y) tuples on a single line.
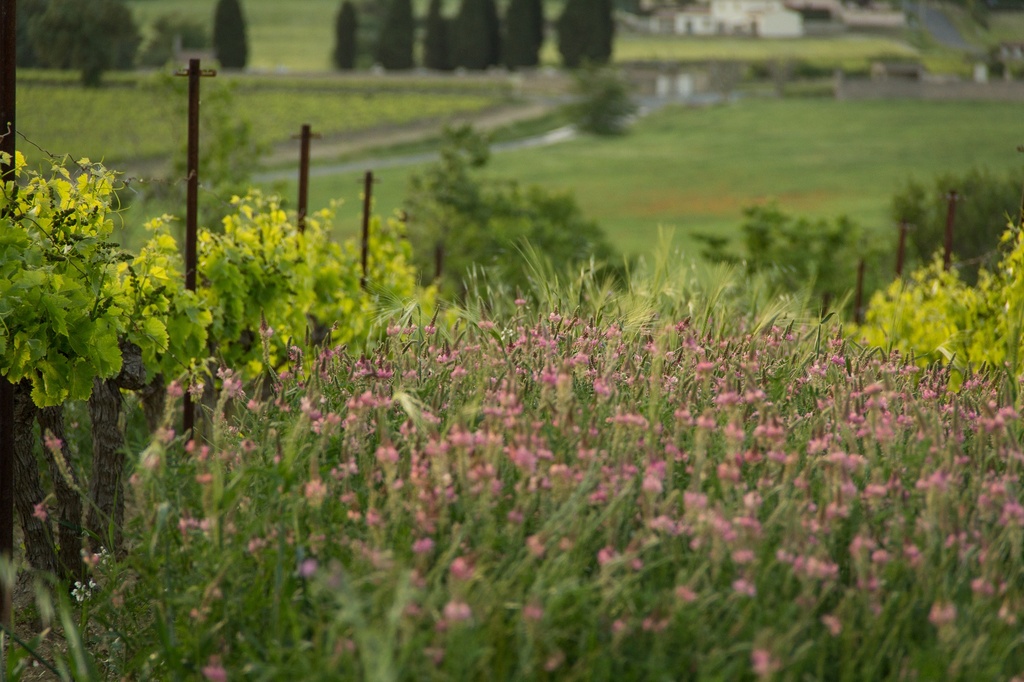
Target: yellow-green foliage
[(935, 316), (263, 277)]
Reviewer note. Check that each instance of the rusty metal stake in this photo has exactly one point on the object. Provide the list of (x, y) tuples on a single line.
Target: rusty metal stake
[(901, 248), (367, 203), (303, 207), (8, 85), (858, 306), (194, 73), (947, 257)]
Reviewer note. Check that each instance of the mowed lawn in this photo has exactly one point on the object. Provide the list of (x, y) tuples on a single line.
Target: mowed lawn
[(696, 169)]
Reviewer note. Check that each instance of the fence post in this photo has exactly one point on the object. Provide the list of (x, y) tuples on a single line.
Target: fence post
[(8, 84), (303, 208), (858, 305), (901, 248), (194, 73), (367, 204), (950, 219)]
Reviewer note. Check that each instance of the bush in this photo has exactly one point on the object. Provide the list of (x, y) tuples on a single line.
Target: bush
[(169, 31), (485, 223), (797, 253), (936, 316), (91, 37), (602, 103)]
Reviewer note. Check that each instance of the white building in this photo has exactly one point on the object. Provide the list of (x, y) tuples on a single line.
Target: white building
[(760, 18)]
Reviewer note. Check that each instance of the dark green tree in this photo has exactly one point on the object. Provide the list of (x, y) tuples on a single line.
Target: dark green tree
[(28, 12), (472, 37), (92, 36), (397, 36), (230, 43), (436, 49), (586, 31), (169, 31), (524, 33), (346, 29), (493, 32)]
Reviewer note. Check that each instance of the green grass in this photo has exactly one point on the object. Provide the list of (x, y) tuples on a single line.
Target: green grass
[(853, 52), (1006, 26), (696, 169)]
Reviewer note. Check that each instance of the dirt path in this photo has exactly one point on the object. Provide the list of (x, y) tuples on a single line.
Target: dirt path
[(338, 146)]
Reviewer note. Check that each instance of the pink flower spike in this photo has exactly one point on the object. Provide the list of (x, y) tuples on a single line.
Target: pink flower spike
[(422, 546), (457, 611), (307, 568), (39, 511), (214, 671), (763, 664)]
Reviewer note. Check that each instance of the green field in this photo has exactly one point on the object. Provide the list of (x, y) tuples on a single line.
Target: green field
[(696, 169), (144, 116)]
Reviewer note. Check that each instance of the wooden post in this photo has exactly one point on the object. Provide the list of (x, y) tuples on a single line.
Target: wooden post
[(367, 204), (858, 309), (194, 73), (303, 208), (8, 84), (901, 248), (947, 257)]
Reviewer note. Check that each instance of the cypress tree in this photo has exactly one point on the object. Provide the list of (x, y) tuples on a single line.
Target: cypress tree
[(522, 39), (229, 35), (471, 38), (346, 25), (537, 14), (600, 44), (436, 51), (493, 32), (586, 30), (395, 44)]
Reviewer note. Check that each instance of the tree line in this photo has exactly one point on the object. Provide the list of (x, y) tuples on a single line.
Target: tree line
[(475, 38), (95, 36)]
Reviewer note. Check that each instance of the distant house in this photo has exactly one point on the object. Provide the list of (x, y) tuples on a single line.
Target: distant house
[(759, 18), (1011, 52)]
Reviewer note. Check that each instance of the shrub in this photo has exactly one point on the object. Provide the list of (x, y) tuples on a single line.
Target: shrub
[(486, 223)]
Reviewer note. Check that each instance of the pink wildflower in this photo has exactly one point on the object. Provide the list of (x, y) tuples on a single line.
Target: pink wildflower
[(832, 624), (942, 613), (39, 511), (461, 569), (685, 594), (316, 491), (457, 611), (744, 587), (762, 662), (307, 568), (214, 671), (422, 546)]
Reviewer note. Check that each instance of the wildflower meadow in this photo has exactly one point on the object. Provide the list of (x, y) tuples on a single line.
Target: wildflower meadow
[(549, 495)]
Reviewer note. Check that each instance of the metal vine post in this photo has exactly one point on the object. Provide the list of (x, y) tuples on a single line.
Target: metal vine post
[(947, 257), (8, 38), (367, 204), (303, 208), (194, 73)]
